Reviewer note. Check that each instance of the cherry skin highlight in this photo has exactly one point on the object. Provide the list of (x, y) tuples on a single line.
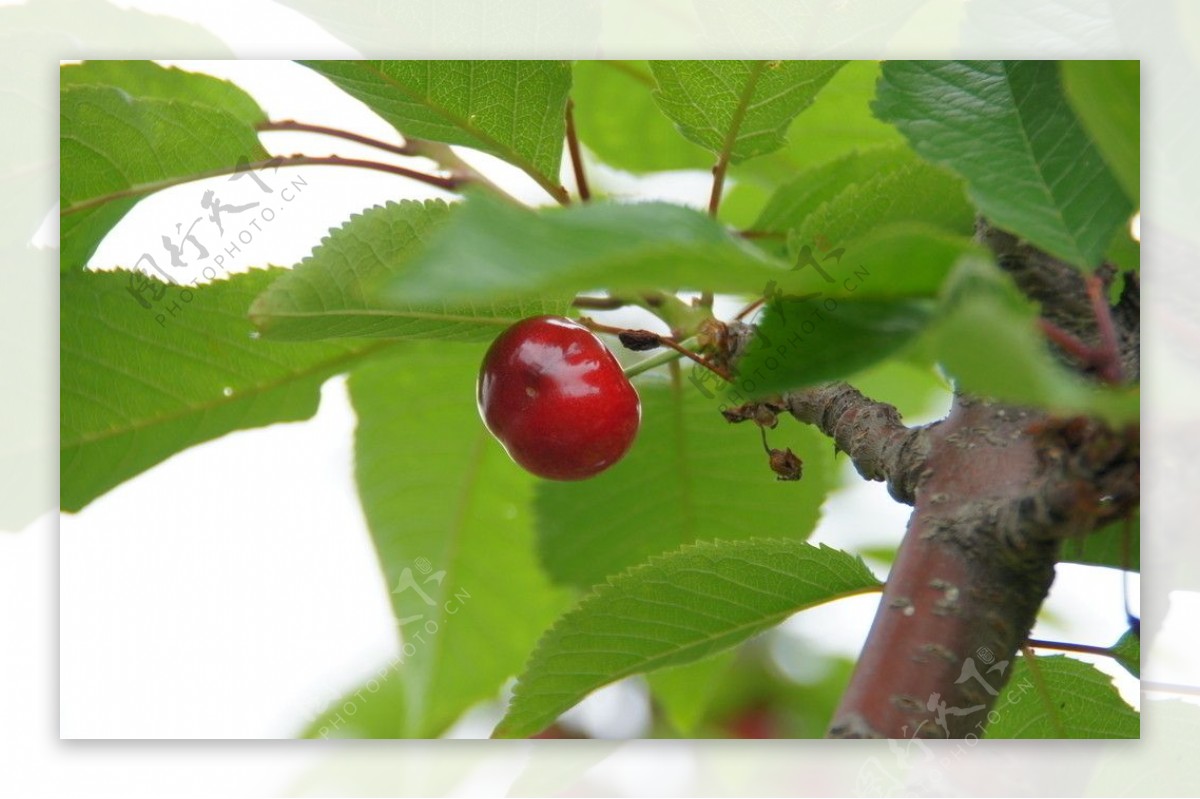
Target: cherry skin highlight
[(556, 398)]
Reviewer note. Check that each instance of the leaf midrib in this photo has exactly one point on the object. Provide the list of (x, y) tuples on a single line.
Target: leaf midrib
[(238, 396), (645, 665), (1043, 181), (739, 113), (418, 696)]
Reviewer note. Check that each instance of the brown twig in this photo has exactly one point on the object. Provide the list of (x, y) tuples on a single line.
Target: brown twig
[(576, 156), (304, 127), (444, 183)]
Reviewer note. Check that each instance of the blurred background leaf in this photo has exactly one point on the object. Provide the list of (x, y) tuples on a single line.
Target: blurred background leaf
[(691, 476), (441, 497)]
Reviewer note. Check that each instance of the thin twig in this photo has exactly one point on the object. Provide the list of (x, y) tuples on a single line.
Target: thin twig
[(304, 127), (665, 341), (599, 303), (445, 183), (1085, 649), (718, 171), (750, 308), (576, 156), (658, 360)]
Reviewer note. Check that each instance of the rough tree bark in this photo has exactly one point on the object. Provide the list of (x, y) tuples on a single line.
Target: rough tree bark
[(995, 489)]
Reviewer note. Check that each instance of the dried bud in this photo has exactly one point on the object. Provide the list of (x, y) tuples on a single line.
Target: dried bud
[(764, 414), (640, 340), (786, 464)]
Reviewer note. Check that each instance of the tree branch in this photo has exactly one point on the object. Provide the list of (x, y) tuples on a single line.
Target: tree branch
[(995, 489)]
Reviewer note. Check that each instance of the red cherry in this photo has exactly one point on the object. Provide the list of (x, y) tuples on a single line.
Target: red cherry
[(556, 398)]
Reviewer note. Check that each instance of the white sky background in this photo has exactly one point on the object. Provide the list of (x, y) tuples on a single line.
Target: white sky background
[(232, 590), (334, 596)]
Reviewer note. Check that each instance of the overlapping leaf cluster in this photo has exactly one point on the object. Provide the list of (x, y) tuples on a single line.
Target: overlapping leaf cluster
[(860, 186)]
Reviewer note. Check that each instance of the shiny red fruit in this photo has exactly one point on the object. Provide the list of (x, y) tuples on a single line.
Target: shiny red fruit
[(556, 398)]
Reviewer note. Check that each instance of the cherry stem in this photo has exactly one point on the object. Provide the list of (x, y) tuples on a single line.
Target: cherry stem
[(762, 234), (576, 156), (666, 341), (749, 308), (655, 361), (707, 364)]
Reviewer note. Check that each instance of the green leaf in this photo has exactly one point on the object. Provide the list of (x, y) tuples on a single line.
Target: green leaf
[(796, 200), (515, 110), (1082, 703), (146, 80), (1124, 251), (738, 109), (838, 122), (616, 118), (1008, 130), (449, 515), (802, 341), (1128, 652), (493, 251), (334, 292), (901, 192), (1106, 95), (140, 384), (673, 610), (684, 693), (374, 709), (1117, 545), (894, 261), (114, 148), (984, 314), (690, 476)]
